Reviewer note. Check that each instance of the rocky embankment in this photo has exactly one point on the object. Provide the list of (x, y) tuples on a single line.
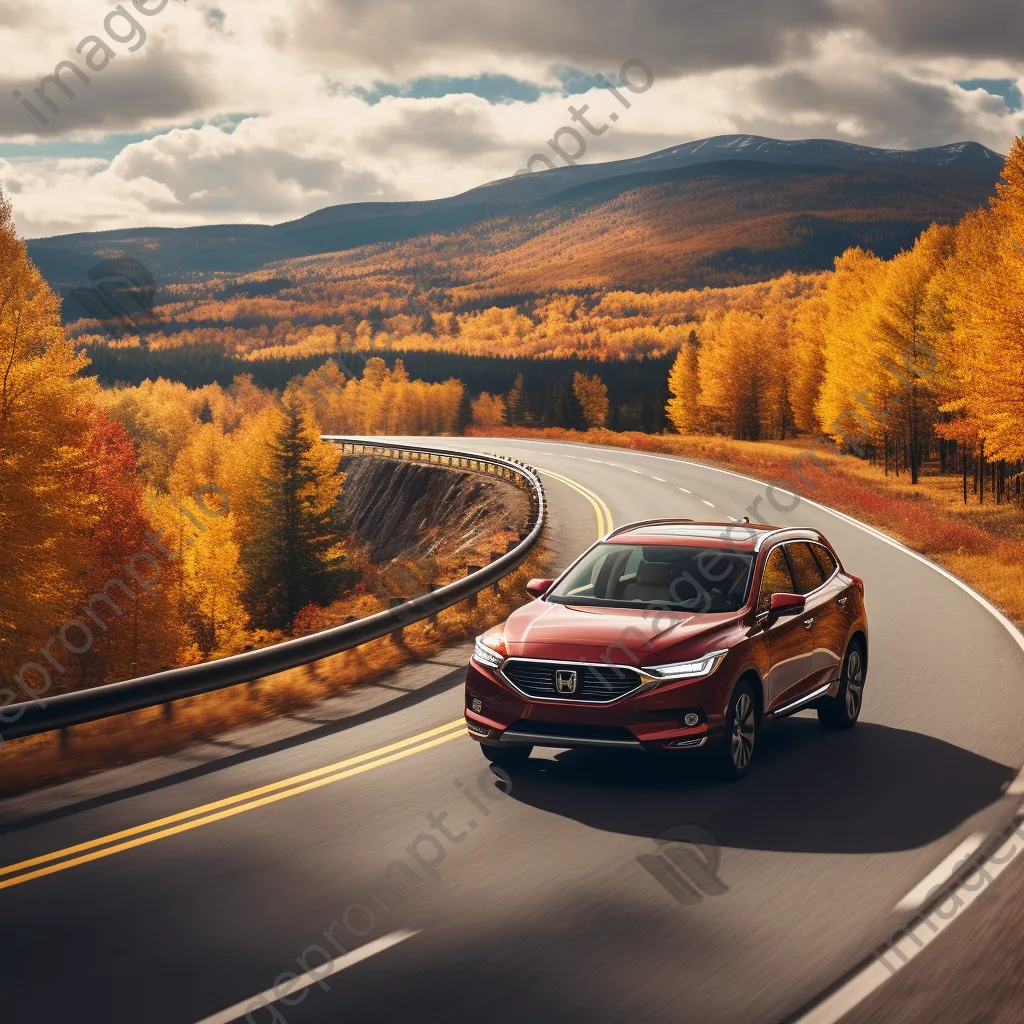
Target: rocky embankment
[(404, 509)]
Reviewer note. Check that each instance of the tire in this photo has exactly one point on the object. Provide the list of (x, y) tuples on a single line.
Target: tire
[(733, 755), (507, 757), (843, 710)]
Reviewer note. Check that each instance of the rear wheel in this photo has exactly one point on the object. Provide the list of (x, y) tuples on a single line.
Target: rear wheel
[(735, 751), (507, 757), (843, 710)]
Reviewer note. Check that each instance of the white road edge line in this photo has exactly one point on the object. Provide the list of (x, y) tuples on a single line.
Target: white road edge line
[(1016, 788), (871, 977), (910, 940), (1015, 633), (297, 984), (658, 478), (708, 503), (918, 896)]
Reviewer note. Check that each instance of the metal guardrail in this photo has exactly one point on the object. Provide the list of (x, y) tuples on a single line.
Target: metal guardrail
[(46, 714)]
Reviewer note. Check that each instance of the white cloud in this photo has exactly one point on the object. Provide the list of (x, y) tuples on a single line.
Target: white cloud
[(790, 69)]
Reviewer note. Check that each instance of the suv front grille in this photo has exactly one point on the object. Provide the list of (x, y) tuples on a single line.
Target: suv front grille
[(598, 684)]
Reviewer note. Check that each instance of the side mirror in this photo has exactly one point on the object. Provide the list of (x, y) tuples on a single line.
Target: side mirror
[(538, 588), (784, 605)]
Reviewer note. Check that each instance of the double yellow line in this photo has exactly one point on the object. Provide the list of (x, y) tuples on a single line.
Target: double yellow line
[(140, 835), (603, 513), (185, 821)]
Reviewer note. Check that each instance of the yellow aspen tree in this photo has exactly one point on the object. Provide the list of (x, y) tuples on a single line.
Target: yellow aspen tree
[(45, 429), (210, 597), (488, 410), (684, 406), (904, 342), (592, 395), (248, 466), (956, 290), (847, 405), (986, 311), (776, 371), (806, 354), (733, 373)]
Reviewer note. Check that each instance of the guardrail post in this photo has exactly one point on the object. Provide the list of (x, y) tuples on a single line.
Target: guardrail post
[(397, 635), (187, 681), (432, 619), (495, 555), (471, 600), (169, 712)]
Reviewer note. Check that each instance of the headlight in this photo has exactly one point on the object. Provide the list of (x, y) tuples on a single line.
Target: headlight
[(490, 650), (688, 669)]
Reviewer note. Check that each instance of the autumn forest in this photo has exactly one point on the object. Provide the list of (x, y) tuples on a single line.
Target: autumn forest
[(161, 460)]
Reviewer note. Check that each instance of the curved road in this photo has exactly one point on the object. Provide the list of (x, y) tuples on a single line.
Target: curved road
[(531, 906)]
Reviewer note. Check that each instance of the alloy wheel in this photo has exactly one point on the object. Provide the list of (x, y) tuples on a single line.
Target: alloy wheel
[(743, 726), (854, 683)]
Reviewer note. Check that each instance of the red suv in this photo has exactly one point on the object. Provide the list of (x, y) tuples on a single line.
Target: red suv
[(672, 636)]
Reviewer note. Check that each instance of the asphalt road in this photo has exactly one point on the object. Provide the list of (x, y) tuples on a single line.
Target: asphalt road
[(533, 905)]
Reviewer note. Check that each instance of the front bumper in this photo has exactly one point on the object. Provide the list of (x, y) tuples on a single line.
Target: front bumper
[(651, 720)]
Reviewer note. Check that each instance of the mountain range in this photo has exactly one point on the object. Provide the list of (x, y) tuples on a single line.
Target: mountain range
[(714, 212)]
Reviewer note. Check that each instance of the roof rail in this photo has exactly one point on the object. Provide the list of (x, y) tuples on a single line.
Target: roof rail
[(647, 522), (785, 529)]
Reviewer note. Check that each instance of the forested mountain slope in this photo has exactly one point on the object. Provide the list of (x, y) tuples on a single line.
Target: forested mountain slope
[(729, 209)]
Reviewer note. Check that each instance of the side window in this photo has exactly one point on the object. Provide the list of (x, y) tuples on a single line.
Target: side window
[(806, 573), (777, 579), (825, 559)]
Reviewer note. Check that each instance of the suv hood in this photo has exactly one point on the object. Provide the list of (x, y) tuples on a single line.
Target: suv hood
[(543, 629)]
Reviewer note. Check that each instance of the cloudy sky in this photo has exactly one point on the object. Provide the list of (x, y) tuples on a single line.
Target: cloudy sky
[(264, 110)]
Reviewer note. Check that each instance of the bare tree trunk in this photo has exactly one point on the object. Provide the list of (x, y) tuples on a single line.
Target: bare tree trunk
[(981, 473), (135, 638)]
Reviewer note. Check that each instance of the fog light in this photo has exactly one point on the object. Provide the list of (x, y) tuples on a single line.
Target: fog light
[(477, 705), (691, 720), (480, 730)]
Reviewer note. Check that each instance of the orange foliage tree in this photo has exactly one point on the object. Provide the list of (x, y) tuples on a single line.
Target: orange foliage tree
[(592, 394)]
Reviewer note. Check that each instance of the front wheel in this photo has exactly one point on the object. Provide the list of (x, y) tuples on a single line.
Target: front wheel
[(507, 757), (843, 710), (735, 751)]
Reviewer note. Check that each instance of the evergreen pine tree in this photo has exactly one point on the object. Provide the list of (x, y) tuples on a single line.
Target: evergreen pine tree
[(292, 560), (465, 415), (514, 403)]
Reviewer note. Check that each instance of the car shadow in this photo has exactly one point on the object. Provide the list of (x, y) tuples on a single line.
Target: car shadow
[(870, 790)]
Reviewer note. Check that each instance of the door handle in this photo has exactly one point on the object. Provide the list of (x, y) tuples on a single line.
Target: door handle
[(808, 623), (842, 602)]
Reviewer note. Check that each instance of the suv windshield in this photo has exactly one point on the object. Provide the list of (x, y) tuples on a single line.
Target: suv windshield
[(690, 579)]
